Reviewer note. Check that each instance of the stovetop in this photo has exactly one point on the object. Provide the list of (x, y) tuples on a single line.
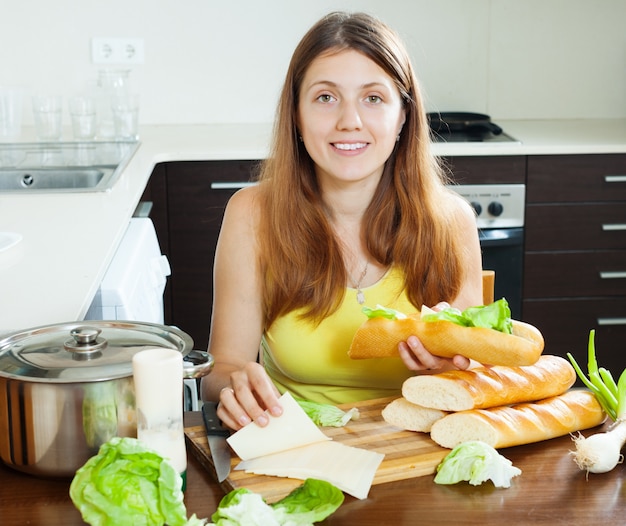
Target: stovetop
[(488, 137)]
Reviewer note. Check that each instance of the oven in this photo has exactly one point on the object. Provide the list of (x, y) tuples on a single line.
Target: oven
[(500, 221)]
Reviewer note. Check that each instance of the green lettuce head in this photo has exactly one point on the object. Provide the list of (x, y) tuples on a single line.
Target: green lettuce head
[(128, 484)]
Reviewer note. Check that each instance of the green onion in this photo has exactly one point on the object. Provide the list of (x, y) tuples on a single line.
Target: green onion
[(601, 452)]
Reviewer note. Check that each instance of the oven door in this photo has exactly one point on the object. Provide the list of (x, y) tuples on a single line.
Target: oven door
[(503, 252)]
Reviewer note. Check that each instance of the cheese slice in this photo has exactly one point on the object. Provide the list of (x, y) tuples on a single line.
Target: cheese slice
[(292, 429), (293, 446), (349, 468)]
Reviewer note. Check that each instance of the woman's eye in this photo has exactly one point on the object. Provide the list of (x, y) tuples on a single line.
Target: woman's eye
[(325, 98), (373, 99)]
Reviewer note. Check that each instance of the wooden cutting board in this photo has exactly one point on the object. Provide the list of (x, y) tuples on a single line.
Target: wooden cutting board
[(407, 454)]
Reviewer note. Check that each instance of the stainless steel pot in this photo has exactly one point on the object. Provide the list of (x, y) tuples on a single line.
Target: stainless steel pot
[(66, 389)]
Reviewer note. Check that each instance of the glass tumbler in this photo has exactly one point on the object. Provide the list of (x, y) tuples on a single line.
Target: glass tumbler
[(48, 114)]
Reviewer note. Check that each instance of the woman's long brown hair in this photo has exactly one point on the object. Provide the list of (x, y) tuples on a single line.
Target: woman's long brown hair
[(406, 224)]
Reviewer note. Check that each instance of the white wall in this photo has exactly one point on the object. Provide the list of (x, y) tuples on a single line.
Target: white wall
[(210, 61)]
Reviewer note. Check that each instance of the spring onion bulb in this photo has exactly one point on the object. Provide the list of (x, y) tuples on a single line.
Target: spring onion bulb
[(601, 452)]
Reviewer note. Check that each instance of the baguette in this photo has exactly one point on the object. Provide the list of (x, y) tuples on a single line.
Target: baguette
[(411, 417), (485, 387), (379, 338), (521, 424)]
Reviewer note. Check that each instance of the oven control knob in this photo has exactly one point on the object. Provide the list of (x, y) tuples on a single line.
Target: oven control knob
[(495, 208), (477, 207)]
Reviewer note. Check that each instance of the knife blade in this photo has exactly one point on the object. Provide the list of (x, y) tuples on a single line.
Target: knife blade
[(216, 435)]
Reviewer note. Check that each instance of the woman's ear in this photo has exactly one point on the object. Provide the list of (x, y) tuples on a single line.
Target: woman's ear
[(402, 121)]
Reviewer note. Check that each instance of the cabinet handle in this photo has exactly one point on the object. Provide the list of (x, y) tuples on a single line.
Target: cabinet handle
[(611, 321), (615, 178), (614, 226), (619, 274), (231, 186)]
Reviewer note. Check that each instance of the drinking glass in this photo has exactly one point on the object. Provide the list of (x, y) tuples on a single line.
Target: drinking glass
[(83, 114), (48, 114)]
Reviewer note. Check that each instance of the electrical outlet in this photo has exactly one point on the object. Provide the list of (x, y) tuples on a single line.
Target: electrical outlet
[(117, 50)]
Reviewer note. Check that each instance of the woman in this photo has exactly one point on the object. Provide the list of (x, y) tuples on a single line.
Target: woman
[(350, 210)]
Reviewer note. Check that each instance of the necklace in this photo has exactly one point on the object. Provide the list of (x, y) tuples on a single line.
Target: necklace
[(360, 297)]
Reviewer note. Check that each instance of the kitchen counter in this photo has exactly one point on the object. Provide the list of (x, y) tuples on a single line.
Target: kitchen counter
[(551, 490), (69, 240)]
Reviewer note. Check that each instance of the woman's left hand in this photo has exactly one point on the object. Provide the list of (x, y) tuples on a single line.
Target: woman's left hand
[(417, 358)]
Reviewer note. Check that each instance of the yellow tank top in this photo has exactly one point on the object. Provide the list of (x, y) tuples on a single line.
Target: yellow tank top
[(311, 362)]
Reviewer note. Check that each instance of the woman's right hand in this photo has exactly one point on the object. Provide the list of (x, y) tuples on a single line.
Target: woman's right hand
[(250, 393)]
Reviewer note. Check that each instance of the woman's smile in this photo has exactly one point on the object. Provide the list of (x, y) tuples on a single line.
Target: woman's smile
[(350, 147)]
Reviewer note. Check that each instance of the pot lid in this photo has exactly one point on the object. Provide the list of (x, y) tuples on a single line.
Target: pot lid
[(84, 351)]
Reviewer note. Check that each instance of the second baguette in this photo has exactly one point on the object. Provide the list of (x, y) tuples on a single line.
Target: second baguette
[(491, 386), (521, 424)]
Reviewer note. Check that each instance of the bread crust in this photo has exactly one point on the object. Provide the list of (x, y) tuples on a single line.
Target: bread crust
[(485, 387), (526, 423), (379, 338)]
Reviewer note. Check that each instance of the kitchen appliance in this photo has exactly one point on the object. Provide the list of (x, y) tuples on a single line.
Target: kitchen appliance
[(500, 221), (466, 127), (134, 283), (67, 388)]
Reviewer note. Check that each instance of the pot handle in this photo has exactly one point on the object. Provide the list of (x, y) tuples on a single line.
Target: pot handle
[(495, 129), (197, 364)]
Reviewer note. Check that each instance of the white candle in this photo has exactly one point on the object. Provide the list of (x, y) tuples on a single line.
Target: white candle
[(158, 376)]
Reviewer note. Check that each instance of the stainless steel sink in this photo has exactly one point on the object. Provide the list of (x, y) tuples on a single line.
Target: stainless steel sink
[(51, 179), (62, 167)]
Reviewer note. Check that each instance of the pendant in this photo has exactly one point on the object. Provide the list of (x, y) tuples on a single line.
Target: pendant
[(360, 297)]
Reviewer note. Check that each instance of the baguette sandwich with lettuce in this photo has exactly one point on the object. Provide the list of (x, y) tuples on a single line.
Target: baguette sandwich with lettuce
[(485, 333)]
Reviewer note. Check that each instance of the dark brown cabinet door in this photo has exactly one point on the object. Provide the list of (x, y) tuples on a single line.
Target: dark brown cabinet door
[(503, 169)]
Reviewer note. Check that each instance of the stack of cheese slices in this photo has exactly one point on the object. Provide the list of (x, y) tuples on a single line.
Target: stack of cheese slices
[(500, 405)]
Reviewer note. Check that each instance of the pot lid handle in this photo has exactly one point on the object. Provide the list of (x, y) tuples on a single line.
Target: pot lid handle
[(85, 341)]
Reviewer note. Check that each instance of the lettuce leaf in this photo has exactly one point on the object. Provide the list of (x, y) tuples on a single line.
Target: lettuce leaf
[(99, 413), (242, 506), (496, 315), (476, 462), (128, 484), (311, 502), (327, 415), (383, 312)]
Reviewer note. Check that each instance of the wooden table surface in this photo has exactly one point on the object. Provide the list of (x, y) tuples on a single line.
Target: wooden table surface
[(551, 490)]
